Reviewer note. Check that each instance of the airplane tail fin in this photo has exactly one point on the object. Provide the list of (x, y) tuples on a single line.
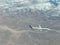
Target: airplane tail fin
[(30, 26)]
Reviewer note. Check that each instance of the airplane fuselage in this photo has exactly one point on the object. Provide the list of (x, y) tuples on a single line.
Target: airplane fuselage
[(37, 28)]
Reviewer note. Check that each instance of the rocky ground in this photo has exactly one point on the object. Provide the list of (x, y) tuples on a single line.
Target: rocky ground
[(17, 15), (14, 29), (9, 36)]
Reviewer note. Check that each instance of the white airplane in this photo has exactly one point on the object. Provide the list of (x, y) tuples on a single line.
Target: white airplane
[(38, 28)]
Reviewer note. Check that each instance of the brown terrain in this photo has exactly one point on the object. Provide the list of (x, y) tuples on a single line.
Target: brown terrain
[(14, 28), (9, 36)]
